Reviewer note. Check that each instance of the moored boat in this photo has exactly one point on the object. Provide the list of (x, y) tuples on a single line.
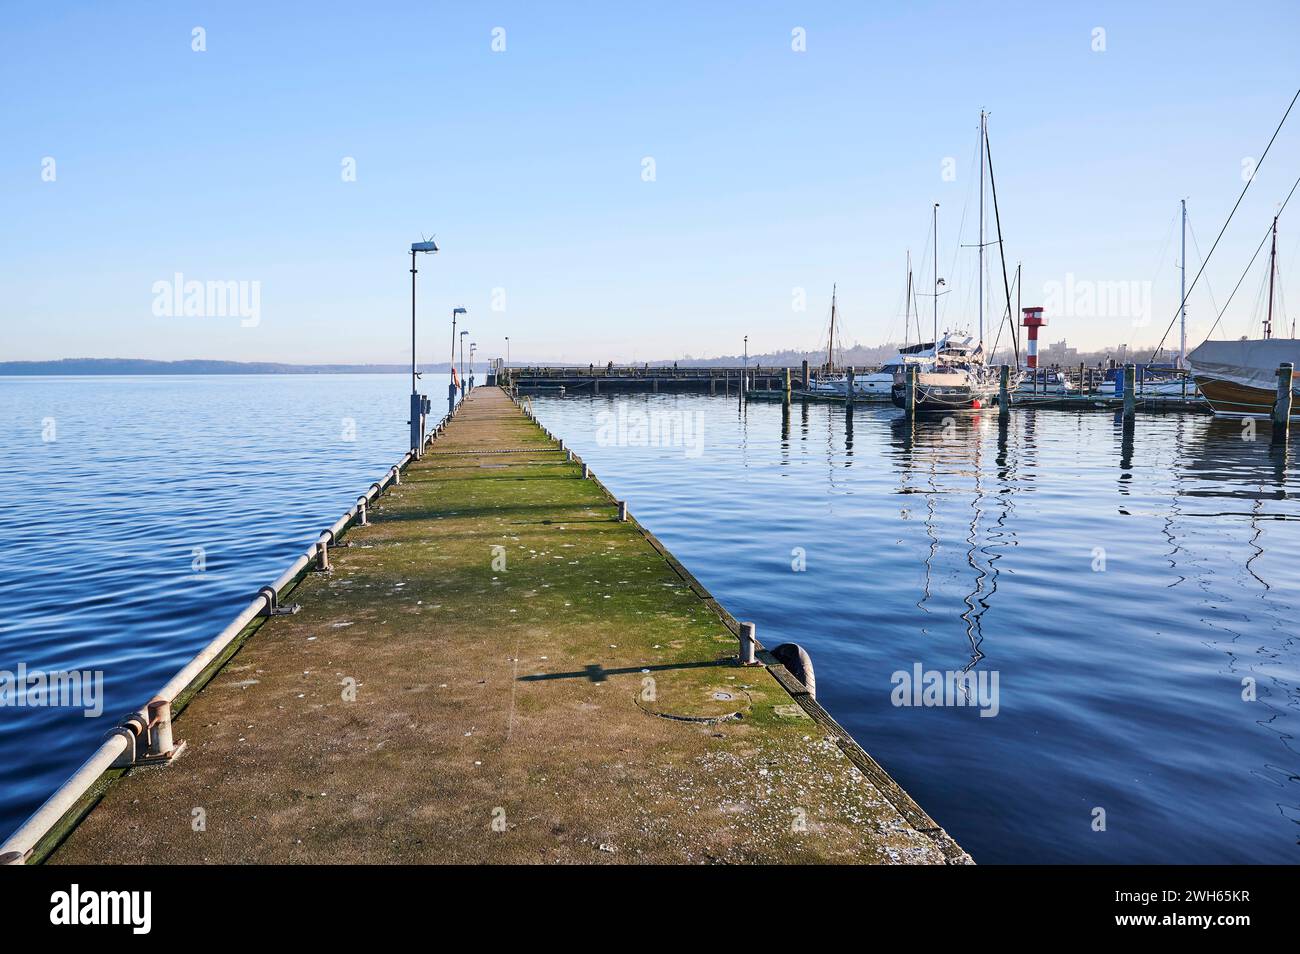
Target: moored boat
[(1240, 378), (1047, 381), (955, 378), (874, 385)]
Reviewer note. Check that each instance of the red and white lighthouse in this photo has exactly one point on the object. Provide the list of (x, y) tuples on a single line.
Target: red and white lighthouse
[(1033, 320)]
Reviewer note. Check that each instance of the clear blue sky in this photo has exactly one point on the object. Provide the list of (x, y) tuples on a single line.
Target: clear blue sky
[(774, 170)]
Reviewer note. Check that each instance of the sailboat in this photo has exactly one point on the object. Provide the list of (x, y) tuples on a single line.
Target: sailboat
[(956, 376), (879, 384), (875, 385), (828, 380), (1239, 378), (832, 380)]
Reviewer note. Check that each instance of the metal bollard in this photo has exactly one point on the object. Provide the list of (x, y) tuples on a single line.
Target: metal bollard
[(748, 645), (323, 551), (361, 512), (568, 455), (397, 476), (161, 743), (585, 472), (622, 511)]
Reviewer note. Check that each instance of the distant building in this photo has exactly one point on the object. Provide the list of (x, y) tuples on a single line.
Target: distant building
[(1058, 352)]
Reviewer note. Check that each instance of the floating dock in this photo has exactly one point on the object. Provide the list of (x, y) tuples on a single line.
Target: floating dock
[(790, 383), (626, 379), (500, 665)]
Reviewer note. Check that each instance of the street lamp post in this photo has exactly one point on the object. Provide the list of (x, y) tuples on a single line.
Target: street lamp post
[(472, 348), (418, 402), (451, 385), (507, 351)]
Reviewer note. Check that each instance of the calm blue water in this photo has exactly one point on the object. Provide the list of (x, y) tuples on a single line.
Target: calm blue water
[(952, 547), (968, 546), (100, 524)]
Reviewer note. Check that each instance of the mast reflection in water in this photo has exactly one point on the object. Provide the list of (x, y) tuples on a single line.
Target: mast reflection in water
[(1133, 587)]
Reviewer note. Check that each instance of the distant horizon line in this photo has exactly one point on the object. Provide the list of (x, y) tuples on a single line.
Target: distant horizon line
[(88, 365)]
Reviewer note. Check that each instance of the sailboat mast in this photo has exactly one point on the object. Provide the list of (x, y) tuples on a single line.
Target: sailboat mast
[(1182, 295), (1018, 309), (1272, 271), (936, 278), (830, 343), (981, 241), (907, 306), (1002, 251)]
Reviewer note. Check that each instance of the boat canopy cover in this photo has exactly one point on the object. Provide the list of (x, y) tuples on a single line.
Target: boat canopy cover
[(1250, 362), (957, 341)]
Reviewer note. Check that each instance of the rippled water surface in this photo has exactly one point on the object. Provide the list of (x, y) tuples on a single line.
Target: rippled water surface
[(140, 514), (1121, 590), (1127, 592)]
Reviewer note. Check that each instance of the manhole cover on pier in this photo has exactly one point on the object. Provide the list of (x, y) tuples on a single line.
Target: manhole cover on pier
[(694, 703)]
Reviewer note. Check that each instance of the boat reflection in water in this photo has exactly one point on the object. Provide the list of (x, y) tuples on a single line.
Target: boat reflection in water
[(1134, 587), (937, 452)]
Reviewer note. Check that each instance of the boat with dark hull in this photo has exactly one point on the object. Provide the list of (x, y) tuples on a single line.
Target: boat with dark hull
[(1240, 378)]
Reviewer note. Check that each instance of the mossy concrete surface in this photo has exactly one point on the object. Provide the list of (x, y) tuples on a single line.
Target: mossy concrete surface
[(497, 670)]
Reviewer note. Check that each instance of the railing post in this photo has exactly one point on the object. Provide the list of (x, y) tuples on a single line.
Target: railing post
[(161, 744), (748, 645)]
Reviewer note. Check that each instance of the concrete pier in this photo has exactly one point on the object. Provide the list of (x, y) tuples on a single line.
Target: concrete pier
[(495, 668)]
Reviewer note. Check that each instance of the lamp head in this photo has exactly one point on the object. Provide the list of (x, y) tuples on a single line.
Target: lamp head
[(459, 311), (429, 246)]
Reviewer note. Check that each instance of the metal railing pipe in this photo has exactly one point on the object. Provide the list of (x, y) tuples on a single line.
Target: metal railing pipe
[(124, 739), (20, 844)]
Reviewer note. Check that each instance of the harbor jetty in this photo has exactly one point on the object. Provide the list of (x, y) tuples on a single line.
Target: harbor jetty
[(612, 379), (487, 660), (1085, 392)]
